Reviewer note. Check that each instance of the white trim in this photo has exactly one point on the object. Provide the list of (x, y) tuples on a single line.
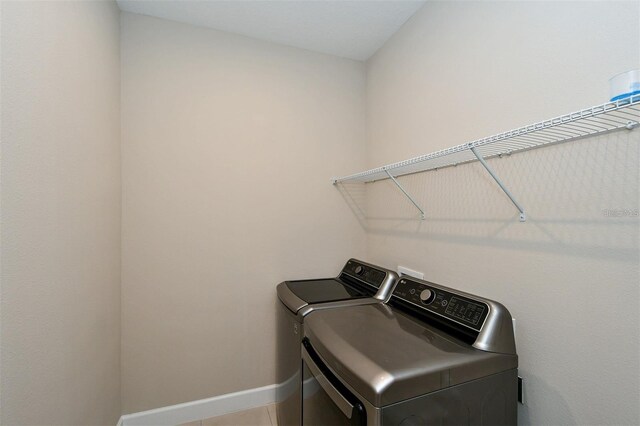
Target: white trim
[(202, 409)]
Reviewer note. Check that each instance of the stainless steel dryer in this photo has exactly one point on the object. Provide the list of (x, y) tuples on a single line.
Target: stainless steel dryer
[(357, 284), (432, 356)]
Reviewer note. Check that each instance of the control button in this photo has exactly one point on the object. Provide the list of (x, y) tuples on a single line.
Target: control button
[(427, 296), (444, 303), (359, 270), (412, 291)]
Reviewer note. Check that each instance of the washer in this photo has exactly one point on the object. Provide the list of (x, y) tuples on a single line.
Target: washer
[(358, 283), (432, 356)]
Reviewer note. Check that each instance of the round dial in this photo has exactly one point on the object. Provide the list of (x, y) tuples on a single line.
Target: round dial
[(359, 270), (427, 296)]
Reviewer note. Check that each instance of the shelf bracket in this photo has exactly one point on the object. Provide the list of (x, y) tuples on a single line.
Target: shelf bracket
[(523, 216), (405, 193)]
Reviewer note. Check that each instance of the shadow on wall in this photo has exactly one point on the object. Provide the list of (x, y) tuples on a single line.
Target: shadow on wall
[(355, 195), (552, 398), (580, 197)]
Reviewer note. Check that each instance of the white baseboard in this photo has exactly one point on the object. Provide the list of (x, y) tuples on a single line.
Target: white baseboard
[(202, 409)]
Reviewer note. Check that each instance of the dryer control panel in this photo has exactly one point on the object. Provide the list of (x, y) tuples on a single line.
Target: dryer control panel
[(360, 270), (446, 304)]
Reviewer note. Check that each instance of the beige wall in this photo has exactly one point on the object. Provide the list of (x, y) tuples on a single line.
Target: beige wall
[(228, 148), (60, 174), (463, 70)]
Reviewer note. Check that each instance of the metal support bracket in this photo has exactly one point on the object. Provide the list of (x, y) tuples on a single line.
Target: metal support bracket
[(523, 216), (405, 193)]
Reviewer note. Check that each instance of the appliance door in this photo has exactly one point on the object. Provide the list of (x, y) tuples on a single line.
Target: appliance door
[(325, 400)]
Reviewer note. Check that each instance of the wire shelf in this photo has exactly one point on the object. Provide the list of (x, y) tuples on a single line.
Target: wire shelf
[(621, 114)]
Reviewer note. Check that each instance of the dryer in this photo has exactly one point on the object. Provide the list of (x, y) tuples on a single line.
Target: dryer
[(432, 356)]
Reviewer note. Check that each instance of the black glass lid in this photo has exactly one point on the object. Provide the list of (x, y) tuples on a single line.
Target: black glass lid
[(325, 290)]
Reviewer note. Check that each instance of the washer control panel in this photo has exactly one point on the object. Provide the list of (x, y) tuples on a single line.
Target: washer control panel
[(446, 304), (366, 273)]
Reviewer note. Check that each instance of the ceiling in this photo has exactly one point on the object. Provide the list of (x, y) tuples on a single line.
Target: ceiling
[(350, 29)]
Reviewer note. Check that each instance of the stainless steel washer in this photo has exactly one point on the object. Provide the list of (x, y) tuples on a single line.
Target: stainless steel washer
[(358, 283), (432, 356)]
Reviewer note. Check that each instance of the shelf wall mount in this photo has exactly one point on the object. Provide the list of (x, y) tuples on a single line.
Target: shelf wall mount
[(406, 194), (335, 181), (523, 216)]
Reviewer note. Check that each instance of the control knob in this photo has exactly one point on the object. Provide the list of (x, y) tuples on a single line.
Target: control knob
[(359, 270), (427, 296)]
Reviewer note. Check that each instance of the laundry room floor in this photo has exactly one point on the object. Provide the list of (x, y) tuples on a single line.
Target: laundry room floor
[(261, 416)]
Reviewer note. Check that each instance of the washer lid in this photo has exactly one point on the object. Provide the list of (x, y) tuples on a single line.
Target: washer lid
[(319, 291), (357, 280), (298, 294), (388, 357)]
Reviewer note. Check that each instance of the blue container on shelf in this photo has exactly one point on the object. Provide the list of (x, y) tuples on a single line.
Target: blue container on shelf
[(624, 85)]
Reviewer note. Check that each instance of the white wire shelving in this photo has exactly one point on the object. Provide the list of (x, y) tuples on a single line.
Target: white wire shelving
[(608, 117)]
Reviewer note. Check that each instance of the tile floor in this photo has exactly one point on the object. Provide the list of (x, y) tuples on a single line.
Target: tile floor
[(261, 416)]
